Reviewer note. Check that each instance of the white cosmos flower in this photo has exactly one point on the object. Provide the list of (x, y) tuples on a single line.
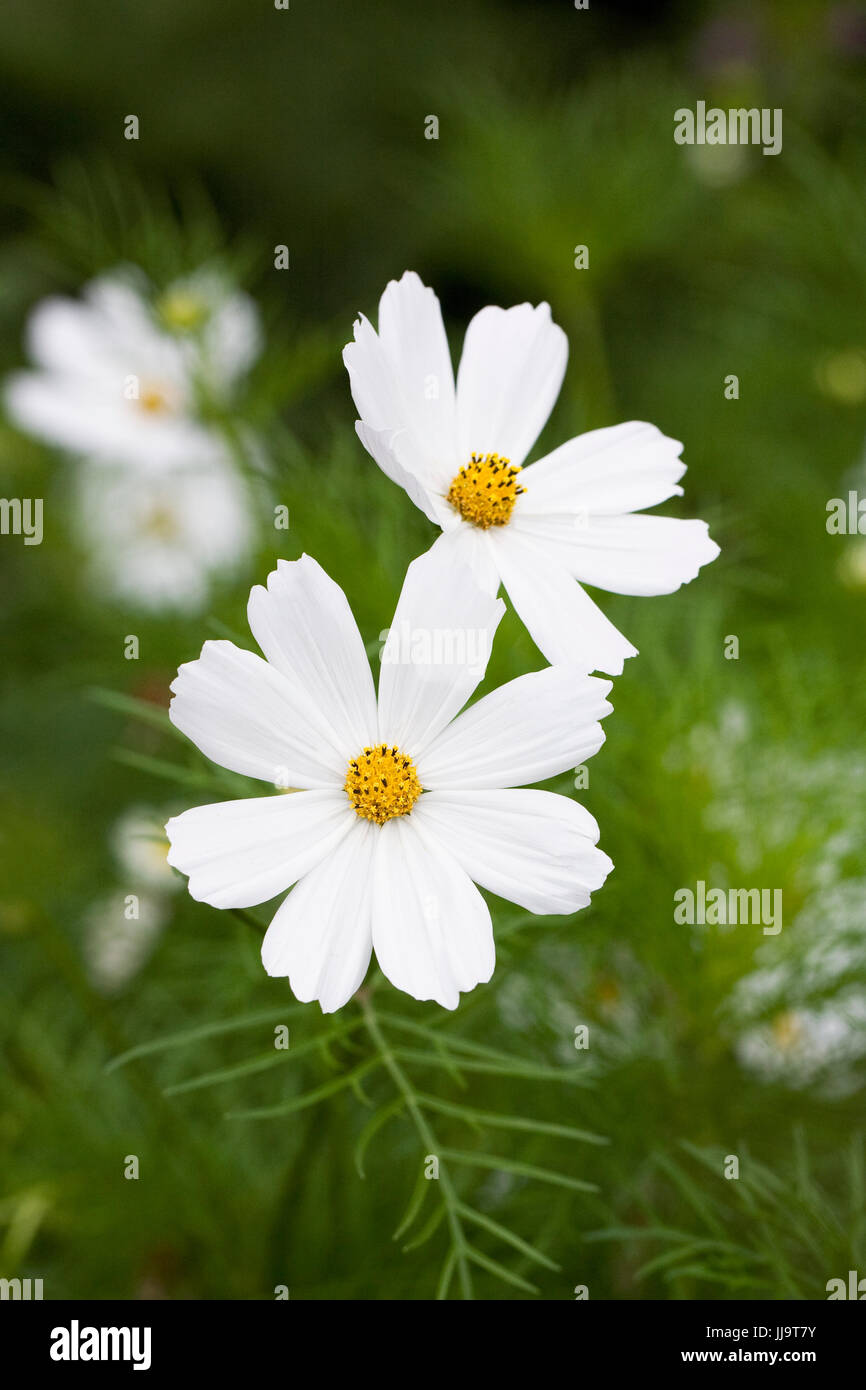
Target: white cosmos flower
[(575, 515), (117, 377), (158, 539), (403, 801)]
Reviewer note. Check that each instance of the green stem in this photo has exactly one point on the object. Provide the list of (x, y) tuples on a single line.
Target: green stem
[(428, 1139)]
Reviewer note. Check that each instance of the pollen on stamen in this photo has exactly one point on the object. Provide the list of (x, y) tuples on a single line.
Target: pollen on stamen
[(382, 783), (485, 490)]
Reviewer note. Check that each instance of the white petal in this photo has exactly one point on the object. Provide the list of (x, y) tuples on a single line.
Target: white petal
[(623, 468), (232, 339), (392, 450), (469, 545), (119, 303), (321, 935), (437, 651), (562, 620), (402, 379), (239, 853), (432, 932), (509, 378), (66, 337), (631, 554), (304, 625), (529, 729), (533, 848), (412, 334), (247, 717)]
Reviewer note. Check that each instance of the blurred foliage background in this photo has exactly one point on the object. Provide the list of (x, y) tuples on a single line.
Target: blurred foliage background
[(305, 127)]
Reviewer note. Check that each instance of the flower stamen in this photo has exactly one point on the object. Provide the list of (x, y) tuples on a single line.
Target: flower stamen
[(382, 783), (485, 490)]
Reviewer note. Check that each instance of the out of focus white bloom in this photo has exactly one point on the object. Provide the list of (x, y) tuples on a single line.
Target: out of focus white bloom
[(718, 166), (746, 769), (121, 378), (140, 847), (157, 539), (120, 932), (127, 380), (800, 1048), (219, 328), (800, 1016)]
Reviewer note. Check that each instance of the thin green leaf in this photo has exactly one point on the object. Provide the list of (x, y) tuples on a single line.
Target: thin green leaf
[(522, 1170), (518, 1122), (308, 1098), (446, 1275), (143, 710), (416, 1201), (523, 1072), (427, 1230), (261, 1062), (371, 1129), (500, 1271), (508, 1236), (205, 1030)]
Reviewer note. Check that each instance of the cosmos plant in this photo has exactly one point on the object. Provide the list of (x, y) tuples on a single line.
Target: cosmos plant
[(400, 805), (377, 815)]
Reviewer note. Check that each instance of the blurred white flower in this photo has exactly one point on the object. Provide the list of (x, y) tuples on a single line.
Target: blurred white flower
[(221, 327), (800, 1019), (140, 847), (802, 1047), (119, 378), (764, 791), (158, 539), (719, 165), (574, 517), (120, 932)]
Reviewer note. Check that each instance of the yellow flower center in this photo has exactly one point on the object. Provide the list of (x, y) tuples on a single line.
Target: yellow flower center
[(161, 524), (485, 490), (182, 310), (787, 1030), (382, 783), (154, 401)]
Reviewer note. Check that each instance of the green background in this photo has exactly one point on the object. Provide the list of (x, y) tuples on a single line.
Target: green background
[(306, 127)]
